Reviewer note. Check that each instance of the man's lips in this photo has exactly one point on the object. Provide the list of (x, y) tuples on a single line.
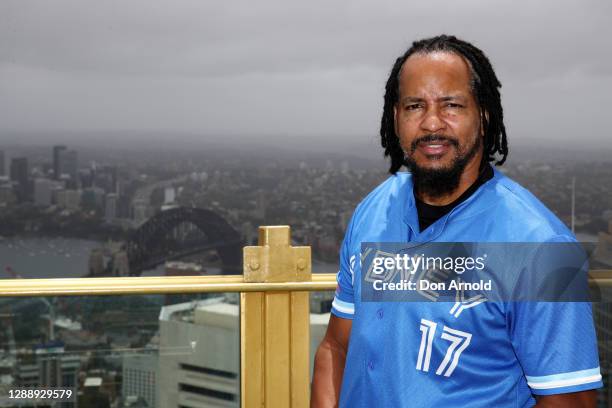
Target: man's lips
[(438, 147)]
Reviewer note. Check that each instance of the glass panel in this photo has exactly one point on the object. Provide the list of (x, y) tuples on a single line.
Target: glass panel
[(602, 314), (124, 351), (320, 307)]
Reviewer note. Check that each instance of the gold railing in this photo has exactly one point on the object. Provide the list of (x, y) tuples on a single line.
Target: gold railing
[(187, 284), (156, 285), (274, 311)]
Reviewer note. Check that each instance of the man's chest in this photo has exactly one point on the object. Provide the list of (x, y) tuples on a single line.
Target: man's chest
[(434, 339)]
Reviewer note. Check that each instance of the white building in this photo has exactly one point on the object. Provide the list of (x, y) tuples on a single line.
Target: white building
[(169, 195), (43, 191), (58, 370), (68, 199), (140, 377), (199, 353)]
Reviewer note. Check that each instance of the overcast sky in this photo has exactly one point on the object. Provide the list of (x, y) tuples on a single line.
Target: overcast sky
[(304, 72)]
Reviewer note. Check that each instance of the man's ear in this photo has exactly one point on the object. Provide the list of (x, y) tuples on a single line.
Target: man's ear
[(395, 120), (483, 115)]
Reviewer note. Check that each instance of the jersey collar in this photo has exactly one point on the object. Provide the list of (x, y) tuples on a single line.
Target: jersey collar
[(468, 208)]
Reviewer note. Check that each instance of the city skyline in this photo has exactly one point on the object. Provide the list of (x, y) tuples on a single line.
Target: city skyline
[(102, 195)]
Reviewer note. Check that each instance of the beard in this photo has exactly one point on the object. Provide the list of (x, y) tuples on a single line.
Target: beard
[(440, 182)]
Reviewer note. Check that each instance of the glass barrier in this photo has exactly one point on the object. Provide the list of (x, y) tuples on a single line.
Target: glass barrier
[(121, 351), (320, 307), (602, 315)]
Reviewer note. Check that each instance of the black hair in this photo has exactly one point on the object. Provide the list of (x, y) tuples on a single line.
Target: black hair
[(485, 87)]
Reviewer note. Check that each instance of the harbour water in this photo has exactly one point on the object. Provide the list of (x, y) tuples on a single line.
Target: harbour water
[(31, 257), (37, 257)]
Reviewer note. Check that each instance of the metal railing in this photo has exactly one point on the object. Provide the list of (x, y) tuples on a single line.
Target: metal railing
[(274, 311), (156, 285)]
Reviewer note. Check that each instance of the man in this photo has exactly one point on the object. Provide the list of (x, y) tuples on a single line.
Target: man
[(443, 119)]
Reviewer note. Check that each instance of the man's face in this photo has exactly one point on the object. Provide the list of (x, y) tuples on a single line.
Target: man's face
[(437, 118)]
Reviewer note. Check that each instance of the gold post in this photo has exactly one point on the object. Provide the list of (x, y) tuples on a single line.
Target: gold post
[(275, 326)]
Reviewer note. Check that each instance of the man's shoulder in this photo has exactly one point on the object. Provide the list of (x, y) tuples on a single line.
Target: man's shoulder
[(521, 211), (391, 192), (512, 210)]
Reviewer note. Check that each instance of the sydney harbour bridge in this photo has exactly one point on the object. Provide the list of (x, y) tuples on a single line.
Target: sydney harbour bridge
[(181, 232)]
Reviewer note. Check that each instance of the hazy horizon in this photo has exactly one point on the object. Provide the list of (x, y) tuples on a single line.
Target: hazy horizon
[(359, 147)]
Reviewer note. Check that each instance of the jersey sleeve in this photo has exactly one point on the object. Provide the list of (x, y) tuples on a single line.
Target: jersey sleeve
[(343, 304), (556, 344)]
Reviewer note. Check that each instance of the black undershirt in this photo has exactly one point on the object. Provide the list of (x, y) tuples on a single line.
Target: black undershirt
[(428, 214)]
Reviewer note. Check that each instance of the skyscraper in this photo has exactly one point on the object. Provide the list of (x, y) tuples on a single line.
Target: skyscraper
[(20, 175), (57, 166), (69, 164), (2, 163), (43, 191), (110, 208)]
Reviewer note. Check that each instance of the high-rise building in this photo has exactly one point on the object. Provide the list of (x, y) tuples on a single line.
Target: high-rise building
[(68, 199), (66, 165), (57, 161), (20, 174), (93, 198), (7, 195), (204, 368), (2, 165), (139, 377), (169, 195), (105, 177), (50, 369), (43, 191), (70, 164), (110, 208)]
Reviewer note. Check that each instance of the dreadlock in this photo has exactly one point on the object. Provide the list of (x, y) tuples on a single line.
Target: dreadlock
[(485, 87)]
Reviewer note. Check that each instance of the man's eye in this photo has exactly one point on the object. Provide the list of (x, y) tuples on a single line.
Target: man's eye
[(454, 105), (413, 106)]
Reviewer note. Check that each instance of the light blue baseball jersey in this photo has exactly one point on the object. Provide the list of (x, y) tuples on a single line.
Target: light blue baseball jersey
[(427, 354)]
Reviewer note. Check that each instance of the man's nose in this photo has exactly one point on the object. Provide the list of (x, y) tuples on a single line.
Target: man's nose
[(432, 122)]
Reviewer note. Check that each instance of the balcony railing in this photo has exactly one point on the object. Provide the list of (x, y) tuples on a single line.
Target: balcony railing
[(274, 311)]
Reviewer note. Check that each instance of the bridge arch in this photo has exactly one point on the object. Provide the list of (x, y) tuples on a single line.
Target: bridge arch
[(149, 246)]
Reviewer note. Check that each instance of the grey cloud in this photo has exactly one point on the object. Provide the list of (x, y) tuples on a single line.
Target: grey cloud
[(274, 67), (208, 37)]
